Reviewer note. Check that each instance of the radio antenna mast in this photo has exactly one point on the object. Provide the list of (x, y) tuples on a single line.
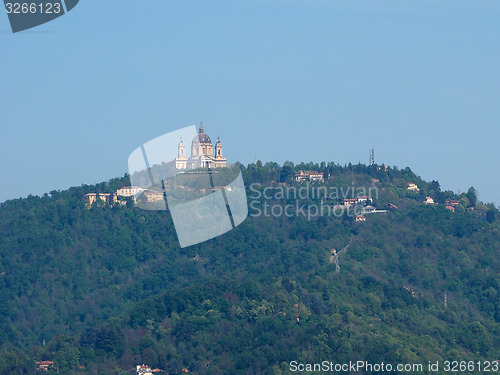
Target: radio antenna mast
[(372, 156)]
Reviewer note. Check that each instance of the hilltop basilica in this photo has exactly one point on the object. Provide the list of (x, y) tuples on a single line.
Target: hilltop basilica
[(202, 155)]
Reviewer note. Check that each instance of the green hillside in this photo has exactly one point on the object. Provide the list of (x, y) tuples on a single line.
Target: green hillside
[(101, 290)]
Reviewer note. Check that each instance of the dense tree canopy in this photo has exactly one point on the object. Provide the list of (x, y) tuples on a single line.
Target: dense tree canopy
[(100, 290)]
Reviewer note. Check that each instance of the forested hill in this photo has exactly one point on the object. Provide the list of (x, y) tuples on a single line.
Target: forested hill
[(99, 290)]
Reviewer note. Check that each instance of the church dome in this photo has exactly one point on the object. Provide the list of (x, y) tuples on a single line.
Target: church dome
[(202, 137)]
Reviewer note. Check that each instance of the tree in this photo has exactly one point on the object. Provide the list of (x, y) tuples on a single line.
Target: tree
[(67, 357), (472, 196), (286, 172), (111, 340), (490, 216), (88, 338), (149, 356), (435, 187)]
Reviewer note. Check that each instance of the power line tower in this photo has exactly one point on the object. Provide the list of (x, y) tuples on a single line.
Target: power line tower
[(372, 156)]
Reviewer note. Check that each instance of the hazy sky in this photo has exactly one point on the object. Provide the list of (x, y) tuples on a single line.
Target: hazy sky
[(300, 80)]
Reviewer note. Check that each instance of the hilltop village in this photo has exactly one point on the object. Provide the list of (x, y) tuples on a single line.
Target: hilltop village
[(362, 204), (205, 156)]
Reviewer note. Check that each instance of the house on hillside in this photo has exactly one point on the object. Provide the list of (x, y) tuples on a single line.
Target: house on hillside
[(350, 202), (369, 210), (45, 365), (90, 198), (128, 191), (153, 196), (360, 219), (412, 186), (310, 176), (452, 203), (107, 198), (429, 200), (143, 370), (363, 199)]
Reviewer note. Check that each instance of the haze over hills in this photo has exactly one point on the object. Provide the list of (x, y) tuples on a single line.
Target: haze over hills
[(98, 290)]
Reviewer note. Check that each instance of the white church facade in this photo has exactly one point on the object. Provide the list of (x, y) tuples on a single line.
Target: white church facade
[(202, 153)]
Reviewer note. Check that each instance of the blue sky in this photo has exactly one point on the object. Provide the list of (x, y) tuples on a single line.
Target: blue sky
[(300, 80)]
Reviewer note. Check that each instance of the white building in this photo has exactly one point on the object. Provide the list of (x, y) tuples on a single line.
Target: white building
[(369, 210), (143, 370), (350, 201), (363, 199), (311, 176), (128, 191), (202, 155), (108, 198), (412, 186), (429, 200), (153, 196)]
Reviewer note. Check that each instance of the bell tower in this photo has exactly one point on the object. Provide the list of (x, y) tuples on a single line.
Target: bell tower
[(181, 160), (182, 149), (218, 149)]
